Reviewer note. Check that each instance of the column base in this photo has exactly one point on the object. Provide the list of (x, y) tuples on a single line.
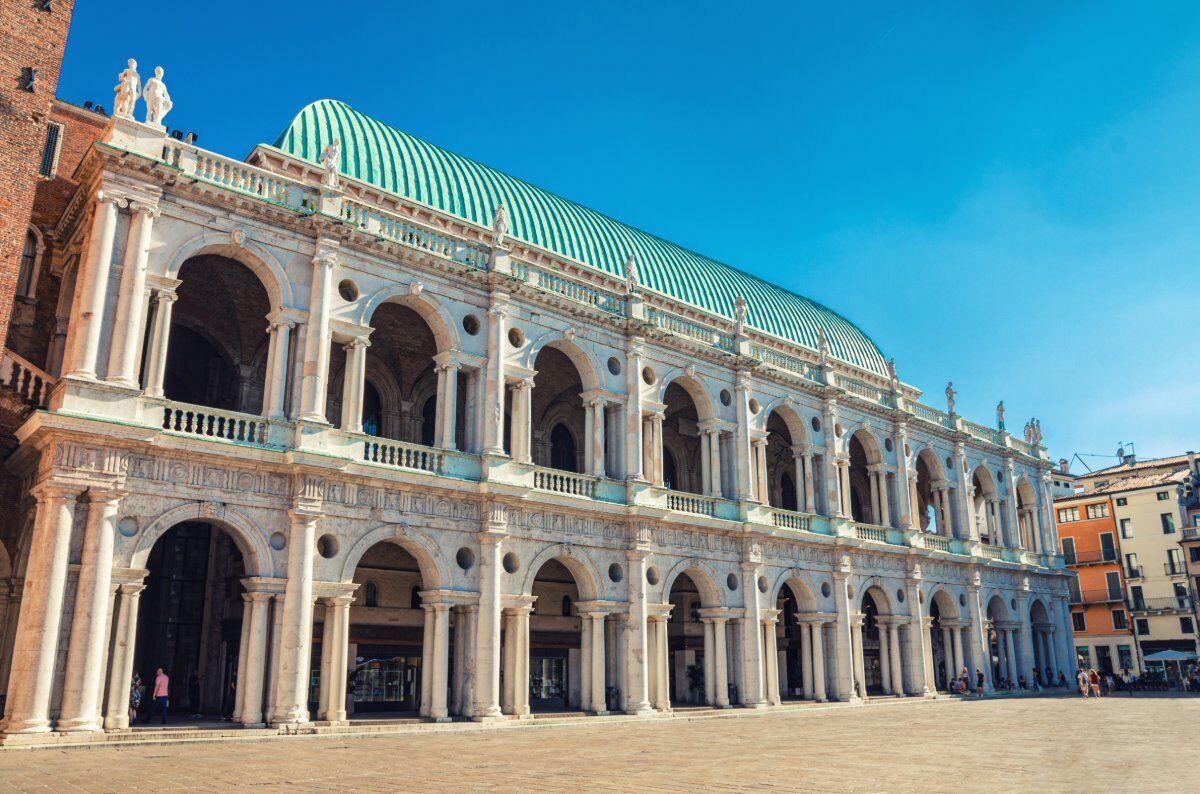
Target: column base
[(441, 719), (600, 713), (642, 710), (25, 727), (77, 726), (486, 718), (756, 706)]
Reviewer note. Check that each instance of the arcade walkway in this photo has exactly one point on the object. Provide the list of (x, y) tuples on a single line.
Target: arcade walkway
[(1047, 744)]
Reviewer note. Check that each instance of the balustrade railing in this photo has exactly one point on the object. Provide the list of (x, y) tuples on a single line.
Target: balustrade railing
[(866, 391), (564, 482), (212, 423), (238, 176), (779, 360), (682, 502), (30, 383), (681, 326), (580, 292), (983, 432), (937, 542), (402, 455), (931, 415), (788, 519), (414, 235), (871, 532), (993, 552)]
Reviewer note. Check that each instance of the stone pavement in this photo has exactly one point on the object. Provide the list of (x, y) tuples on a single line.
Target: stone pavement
[(1043, 744)]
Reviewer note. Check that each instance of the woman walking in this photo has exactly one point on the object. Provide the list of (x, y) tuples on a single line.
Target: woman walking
[(135, 696)]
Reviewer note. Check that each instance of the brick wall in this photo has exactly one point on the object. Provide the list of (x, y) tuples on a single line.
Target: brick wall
[(29, 38)]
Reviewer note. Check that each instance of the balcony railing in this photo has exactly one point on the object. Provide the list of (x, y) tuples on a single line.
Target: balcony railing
[(1171, 568), (937, 542), (1091, 557), (1167, 604), (983, 432), (682, 326), (28, 382), (1133, 572), (1096, 596), (788, 519), (871, 532), (564, 482), (237, 176), (402, 455), (866, 391), (215, 424), (931, 415), (577, 291), (412, 234), (1191, 533), (682, 502), (993, 552), (780, 360)]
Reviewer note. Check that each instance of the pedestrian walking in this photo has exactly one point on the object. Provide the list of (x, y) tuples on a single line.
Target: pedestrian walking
[(1094, 680), (161, 695), (1034, 683), (1081, 679), (978, 682)]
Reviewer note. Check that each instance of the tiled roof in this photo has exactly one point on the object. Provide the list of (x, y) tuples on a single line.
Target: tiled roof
[(1139, 481), (1141, 465), (394, 161)]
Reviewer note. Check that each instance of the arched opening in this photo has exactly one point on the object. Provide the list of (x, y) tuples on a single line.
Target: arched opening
[(555, 642), (387, 660), (871, 650), (557, 411), (1045, 662), (217, 353), (681, 438), (945, 648), (687, 673), (1027, 522), (670, 469), (930, 494), (403, 389), (785, 464), (866, 475), (802, 668), (190, 621), (1002, 664), (984, 507)]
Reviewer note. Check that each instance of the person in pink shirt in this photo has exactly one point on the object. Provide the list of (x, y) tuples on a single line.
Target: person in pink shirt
[(161, 694)]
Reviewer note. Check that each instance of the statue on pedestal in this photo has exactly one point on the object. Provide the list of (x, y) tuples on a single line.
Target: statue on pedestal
[(631, 274), (499, 225), (822, 347), (158, 101), (950, 395), (129, 87), (892, 379), (331, 161), (739, 314), (1000, 415)]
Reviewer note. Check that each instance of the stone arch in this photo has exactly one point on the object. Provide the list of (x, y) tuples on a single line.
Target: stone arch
[(987, 480), (871, 446), (1039, 612), (584, 364), (997, 607), (797, 581), (434, 575), (6, 566), (694, 388), (702, 574), (440, 321), (245, 534), (253, 255), (877, 589), (947, 606), (786, 408), (1026, 492), (581, 566), (929, 456)]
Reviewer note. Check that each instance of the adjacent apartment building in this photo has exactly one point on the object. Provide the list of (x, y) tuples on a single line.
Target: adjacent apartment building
[(1152, 502), (1099, 616)]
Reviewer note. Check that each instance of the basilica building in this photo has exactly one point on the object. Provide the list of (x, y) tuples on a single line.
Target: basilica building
[(362, 426)]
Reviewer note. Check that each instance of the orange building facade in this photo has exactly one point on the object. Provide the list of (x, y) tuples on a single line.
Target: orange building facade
[(1100, 619)]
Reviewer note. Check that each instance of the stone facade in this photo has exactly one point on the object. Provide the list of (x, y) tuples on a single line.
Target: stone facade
[(605, 500)]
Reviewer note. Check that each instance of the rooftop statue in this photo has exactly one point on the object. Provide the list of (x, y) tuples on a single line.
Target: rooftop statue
[(158, 101), (892, 379), (631, 274), (129, 87), (1000, 415), (499, 225), (822, 347), (739, 314), (331, 160), (950, 395)]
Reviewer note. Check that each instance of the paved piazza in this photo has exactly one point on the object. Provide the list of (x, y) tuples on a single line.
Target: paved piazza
[(1047, 744)]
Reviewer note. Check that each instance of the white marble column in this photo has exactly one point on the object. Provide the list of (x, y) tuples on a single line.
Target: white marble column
[(116, 711), (635, 468), (762, 487), (494, 384), (277, 367), (885, 659), (80, 707), (487, 623), (597, 663), (721, 664), (447, 408), (856, 651), (252, 672), (844, 488), (636, 641), (35, 648), (326, 672), (843, 662), (160, 334), (522, 665), (771, 656), (354, 380), (895, 663), (1011, 656), (292, 666), (339, 663), (662, 660), (818, 660), (885, 500), (810, 493), (521, 420), (508, 696), (127, 325), (919, 661), (441, 662), (806, 658), (744, 487), (87, 312), (656, 447), (425, 706), (585, 659), (316, 343), (752, 685), (710, 662), (959, 662)]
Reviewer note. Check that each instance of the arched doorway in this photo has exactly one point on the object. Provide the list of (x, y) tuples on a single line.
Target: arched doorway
[(190, 621), (930, 493), (558, 416), (681, 439), (789, 474), (687, 671), (867, 480), (1027, 522), (1003, 663), (555, 663), (985, 507), (873, 683), (388, 665), (1045, 661), (877, 643), (945, 640), (801, 643)]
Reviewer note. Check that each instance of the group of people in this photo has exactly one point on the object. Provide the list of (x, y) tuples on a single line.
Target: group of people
[(1094, 684), (962, 684), (161, 697)]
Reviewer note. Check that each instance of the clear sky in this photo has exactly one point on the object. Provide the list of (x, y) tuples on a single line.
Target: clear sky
[(1004, 194)]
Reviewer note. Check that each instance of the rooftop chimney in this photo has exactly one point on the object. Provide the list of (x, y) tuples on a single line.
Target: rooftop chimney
[(1063, 466), (1192, 464)]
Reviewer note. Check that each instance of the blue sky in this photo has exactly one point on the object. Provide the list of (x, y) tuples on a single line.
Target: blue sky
[(1002, 194)]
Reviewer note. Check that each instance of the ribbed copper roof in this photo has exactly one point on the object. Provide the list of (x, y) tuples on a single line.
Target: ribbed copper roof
[(394, 161)]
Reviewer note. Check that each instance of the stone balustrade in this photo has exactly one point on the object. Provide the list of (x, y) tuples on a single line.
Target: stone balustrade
[(30, 383), (682, 502), (401, 455), (212, 423), (564, 482)]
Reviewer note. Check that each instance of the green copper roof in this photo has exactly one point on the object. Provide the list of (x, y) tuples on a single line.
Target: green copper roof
[(392, 160)]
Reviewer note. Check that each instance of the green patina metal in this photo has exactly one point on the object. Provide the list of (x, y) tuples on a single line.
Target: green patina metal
[(392, 160)]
